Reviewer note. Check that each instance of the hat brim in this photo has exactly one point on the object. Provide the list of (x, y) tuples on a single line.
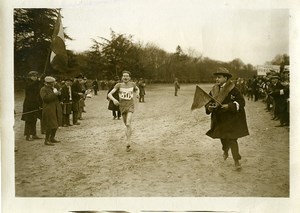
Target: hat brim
[(220, 73)]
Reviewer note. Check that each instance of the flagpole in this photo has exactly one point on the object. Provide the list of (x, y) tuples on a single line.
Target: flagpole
[(47, 59), (214, 99), (211, 96), (49, 52)]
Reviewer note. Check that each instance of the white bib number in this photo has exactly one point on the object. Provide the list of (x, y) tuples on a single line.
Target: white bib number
[(126, 93)]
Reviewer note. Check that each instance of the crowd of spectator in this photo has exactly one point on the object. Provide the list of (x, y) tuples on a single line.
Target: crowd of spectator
[(273, 89)]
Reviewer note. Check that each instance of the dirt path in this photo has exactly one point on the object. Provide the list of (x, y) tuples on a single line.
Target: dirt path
[(171, 154)]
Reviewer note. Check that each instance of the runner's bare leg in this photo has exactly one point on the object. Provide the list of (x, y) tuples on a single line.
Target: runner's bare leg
[(128, 128)]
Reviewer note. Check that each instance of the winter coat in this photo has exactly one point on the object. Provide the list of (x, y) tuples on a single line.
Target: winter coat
[(280, 94), (95, 85), (228, 123), (65, 99), (52, 112), (142, 86), (176, 84), (111, 105), (32, 101), (76, 88)]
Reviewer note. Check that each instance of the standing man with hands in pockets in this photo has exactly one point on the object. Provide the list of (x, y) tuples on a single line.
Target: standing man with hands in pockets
[(76, 96), (228, 118), (126, 103)]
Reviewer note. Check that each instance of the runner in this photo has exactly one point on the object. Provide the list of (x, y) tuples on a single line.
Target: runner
[(126, 103)]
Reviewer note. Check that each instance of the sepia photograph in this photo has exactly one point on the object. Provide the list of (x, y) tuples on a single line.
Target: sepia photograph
[(138, 106)]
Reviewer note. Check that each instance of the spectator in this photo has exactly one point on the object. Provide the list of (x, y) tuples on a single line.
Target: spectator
[(76, 95), (111, 106), (95, 86), (52, 114), (31, 106), (66, 99), (142, 85), (176, 85)]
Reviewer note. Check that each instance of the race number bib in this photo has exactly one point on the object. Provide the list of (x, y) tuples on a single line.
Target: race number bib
[(126, 93)]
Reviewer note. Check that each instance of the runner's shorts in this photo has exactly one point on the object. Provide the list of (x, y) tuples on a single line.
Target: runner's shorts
[(126, 106)]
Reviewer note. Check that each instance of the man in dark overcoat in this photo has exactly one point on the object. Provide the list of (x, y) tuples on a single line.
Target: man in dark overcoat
[(228, 118), (111, 106), (141, 84), (52, 113), (95, 86), (31, 105), (176, 85), (280, 93), (76, 95), (66, 99)]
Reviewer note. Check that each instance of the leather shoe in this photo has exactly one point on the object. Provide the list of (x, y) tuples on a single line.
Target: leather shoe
[(54, 141), (36, 137), (280, 125), (225, 155), (77, 123), (28, 138), (237, 165), (48, 143)]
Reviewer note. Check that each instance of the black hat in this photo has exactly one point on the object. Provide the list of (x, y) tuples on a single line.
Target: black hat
[(79, 76), (223, 71), (274, 76)]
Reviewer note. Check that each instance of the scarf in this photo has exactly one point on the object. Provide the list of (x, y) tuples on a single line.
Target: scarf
[(221, 93)]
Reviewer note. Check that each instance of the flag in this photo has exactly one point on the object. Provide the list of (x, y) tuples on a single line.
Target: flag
[(200, 98), (58, 57)]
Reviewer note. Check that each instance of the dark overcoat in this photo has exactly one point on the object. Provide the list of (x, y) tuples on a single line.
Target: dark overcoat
[(142, 86), (280, 98), (111, 105), (32, 101), (76, 88), (230, 123), (65, 99), (95, 85), (52, 113)]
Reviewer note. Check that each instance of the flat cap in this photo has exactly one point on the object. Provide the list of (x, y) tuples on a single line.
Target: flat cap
[(49, 79), (33, 73)]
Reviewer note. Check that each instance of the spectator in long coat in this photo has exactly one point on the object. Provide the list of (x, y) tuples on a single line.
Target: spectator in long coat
[(141, 84), (76, 96), (176, 85), (84, 91), (111, 106), (228, 120), (66, 99), (280, 93), (95, 86), (52, 113), (255, 87), (31, 106)]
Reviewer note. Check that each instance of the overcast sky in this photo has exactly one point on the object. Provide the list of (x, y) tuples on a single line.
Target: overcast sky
[(255, 36)]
